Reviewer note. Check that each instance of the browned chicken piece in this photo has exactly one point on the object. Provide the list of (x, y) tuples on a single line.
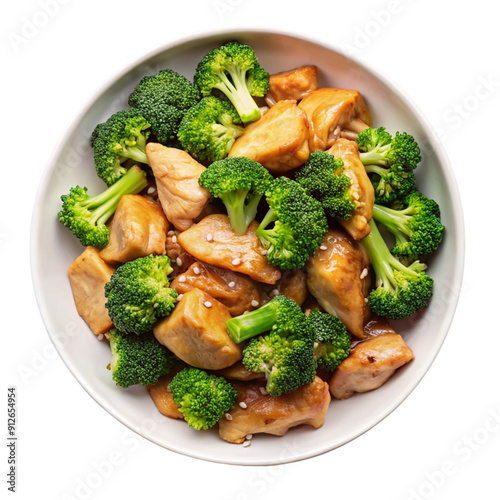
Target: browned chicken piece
[(138, 228), (176, 174), (263, 413), (239, 372), (196, 332), (87, 275), (278, 140), (162, 395), (293, 284), (236, 291), (338, 277), (334, 113), (361, 188), (180, 259), (369, 365), (214, 241), (292, 84)]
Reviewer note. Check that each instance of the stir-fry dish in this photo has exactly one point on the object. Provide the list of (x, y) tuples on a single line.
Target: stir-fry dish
[(255, 238)]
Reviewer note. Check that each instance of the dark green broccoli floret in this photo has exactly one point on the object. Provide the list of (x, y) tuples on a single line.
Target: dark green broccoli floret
[(417, 227), (323, 178), (138, 294), (234, 70), (389, 162), (281, 315), (332, 342), (138, 359), (86, 216), (202, 398), (294, 226), (208, 129), (163, 99), (121, 137), (240, 183), (400, 290)]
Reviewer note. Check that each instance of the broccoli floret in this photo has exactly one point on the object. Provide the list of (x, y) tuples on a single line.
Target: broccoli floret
[(400, 290), (138, 294), (281, 315), (86, 216), (332, 342), (234, 70), (138, 359), (417, 227), (163, 99), (203, 398), (121, 137), (322, 176), (208, 130), (240, 183), (389, 162), (294, 226)]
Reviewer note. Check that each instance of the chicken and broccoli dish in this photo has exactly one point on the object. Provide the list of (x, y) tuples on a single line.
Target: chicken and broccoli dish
[(255, 238)]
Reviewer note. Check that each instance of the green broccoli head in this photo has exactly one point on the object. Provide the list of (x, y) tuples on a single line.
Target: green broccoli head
[(121, 137), (294, 226), (234, 70), (138, 359), (416, 226), (332, 341), (139, 294), (163, 99), (208, 130), (86, 216), (322, 176), (203, 398), (400, 289), (240, 183)]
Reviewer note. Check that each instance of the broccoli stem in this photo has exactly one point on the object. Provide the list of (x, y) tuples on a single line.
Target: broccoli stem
[(394, 220), (135, 153), (252, 323), (267, 236), (240, 213)]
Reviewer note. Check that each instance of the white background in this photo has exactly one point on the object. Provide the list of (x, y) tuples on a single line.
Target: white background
[(443, 442)]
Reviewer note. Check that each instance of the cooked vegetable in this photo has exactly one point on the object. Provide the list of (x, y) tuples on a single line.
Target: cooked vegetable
[(240, 183), (234, 70), (86, 216), (208, 129), (138, 359), (203, 398), (139, 294)]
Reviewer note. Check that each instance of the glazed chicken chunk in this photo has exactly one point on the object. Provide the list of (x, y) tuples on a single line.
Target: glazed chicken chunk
[(334, 113), (278, 140), (176, 174), (138, 228), (262, 413), (361, 188), (162, 395), (196, 332), (292, 84), (338, 277), (214, 241), (370, 364)]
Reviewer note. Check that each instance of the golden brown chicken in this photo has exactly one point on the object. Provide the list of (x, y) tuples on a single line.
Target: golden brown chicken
[(292, 84), (338, 277), (257, 412), (176, 174), (279, 140), (162, 395)]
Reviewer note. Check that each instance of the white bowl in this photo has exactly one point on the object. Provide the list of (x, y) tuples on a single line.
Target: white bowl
[(53, 249)]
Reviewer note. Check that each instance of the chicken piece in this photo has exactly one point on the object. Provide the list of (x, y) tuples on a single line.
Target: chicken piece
[(278, 140), (293, 284), (369, 365), (138, 228), (162, 395), (293, 84), (196, 332), (87, 275), (333, 113), (214, 241), (239, 372), (237, 292), (338, 277), (180, 259), (268, 414), (176, 174), (361, 188)]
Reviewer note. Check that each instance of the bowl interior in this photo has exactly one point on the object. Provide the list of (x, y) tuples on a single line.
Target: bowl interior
[(54, 249)]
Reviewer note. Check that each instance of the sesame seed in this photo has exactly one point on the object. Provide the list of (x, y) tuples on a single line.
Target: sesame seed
[(232, 284), (196, 270), (151, 190), (155, 305), (275, 292), (174, 239), (364, 273), (263, 390), (236, 261), (178, 261), (209, 237), (246, 443), (255, 303), (100, 336), (207, 303), (243, 405), (264, 252), (228, 416), (248, 437), (179, 297), (170, 233), (182, 279), (322, 247)]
